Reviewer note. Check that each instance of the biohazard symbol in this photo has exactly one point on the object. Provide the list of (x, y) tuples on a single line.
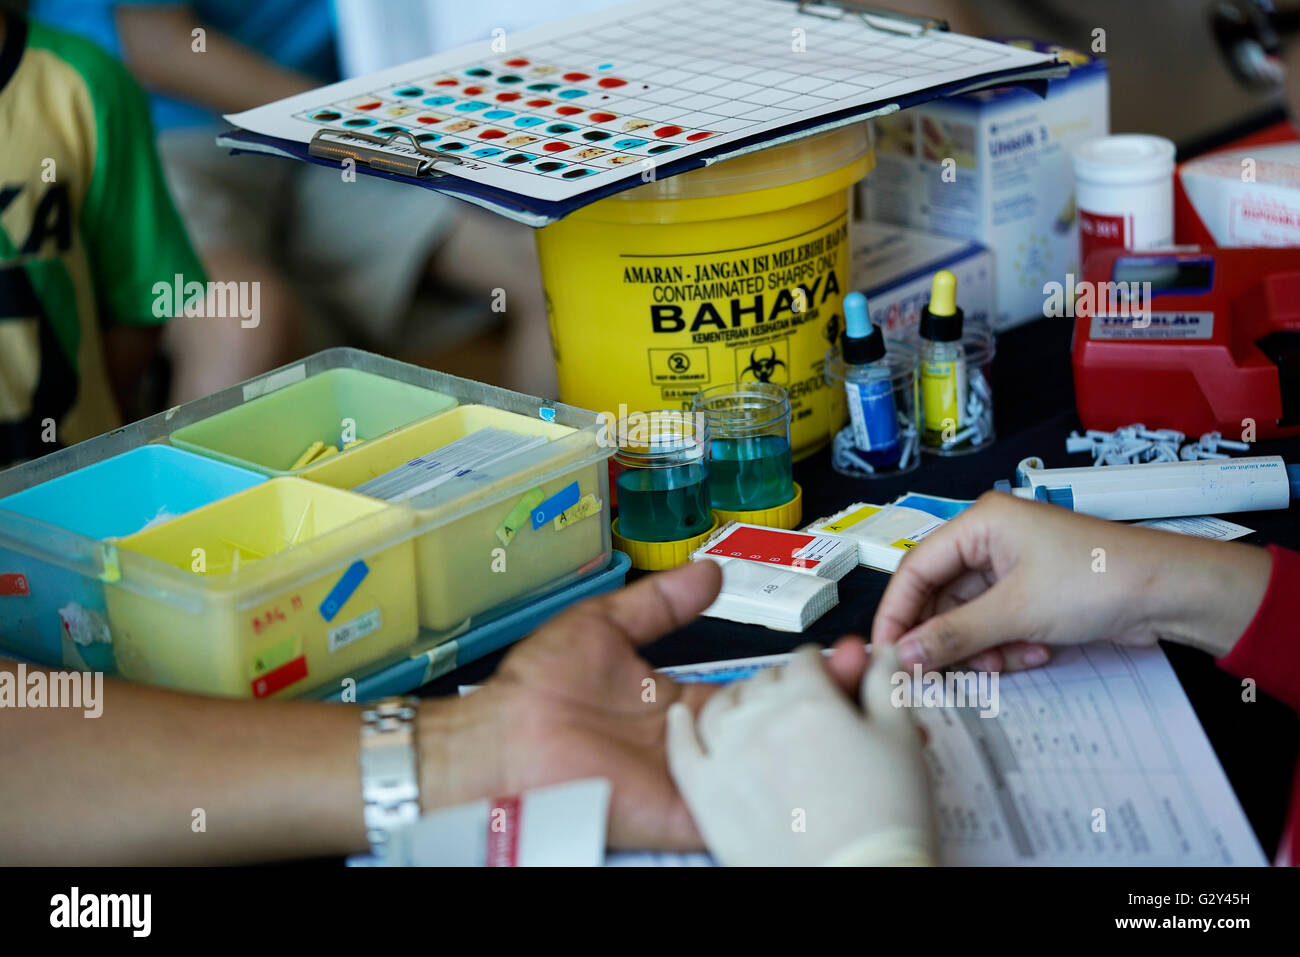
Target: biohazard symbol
[(831, 331), (763, 369)]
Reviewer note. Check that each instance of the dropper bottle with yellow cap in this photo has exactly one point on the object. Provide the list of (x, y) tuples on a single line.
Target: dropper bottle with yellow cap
[(943, 364)]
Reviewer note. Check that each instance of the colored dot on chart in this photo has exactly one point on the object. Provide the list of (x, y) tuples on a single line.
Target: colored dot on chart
[(611, 82), (369, 105), (668, 131), (556, 147), (526, 121), (428, 120), (551, 166), (471, 106), (543, 87), (452, 147), (576, 77), (595, 136), (491, 134), (326, 116), (510, 78), (572, 94), (560, 128), (662, 148), (428, 137), (538, 104), (605, 66), (448, 82), (603, 117), (389, 130), (472, 90), (568, 110), (498, 114), (507, 97), (517, 158), (358, 121), (517, 62), (628, 144), (576, 173), (703, 135), (409, 91), (487, 151), (478, 71), (438, 100)]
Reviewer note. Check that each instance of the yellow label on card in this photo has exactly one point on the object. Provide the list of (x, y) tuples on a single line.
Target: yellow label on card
[(903, 543), (848, 521)]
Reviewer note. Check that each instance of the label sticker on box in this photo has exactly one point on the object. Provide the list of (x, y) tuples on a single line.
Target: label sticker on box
[(280, 678), (274, 656), (355, 629), (562, 500), (14, 584), (518, 515), (587, 506), (343, 589)]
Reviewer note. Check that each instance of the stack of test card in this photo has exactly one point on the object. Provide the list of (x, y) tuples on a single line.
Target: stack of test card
[(453, 461), (885, 533), (780, 579)]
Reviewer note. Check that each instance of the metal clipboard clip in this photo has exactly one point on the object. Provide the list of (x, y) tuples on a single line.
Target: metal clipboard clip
[(340, 145), (877, 18)]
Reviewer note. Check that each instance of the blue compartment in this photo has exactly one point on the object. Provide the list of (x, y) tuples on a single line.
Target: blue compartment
[(53, 614)]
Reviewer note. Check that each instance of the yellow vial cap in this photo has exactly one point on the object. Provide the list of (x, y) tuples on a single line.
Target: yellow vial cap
[(943, 293)]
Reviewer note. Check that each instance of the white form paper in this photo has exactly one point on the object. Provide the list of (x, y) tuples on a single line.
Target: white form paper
[(560, 109), (1101, 729), (1200, 526)]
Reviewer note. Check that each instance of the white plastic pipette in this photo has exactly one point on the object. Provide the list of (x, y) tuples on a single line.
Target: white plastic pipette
[(1161, 489)]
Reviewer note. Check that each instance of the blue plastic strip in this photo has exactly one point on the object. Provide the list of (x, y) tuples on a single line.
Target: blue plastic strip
[(343, 589), (565, 498)]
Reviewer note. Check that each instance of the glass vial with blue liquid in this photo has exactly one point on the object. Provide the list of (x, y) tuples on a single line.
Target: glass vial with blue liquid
[(868, 386), (750, 465), (663, 479)]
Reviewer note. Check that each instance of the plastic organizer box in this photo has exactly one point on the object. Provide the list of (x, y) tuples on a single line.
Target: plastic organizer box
[(186, 570)]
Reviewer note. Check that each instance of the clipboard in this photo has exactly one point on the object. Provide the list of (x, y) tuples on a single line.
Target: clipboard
[(400, 157)]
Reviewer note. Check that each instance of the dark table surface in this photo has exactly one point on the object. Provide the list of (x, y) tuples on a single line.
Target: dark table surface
[(1034, 412)]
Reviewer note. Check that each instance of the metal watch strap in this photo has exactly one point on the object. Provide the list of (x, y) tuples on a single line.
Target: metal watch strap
[(390, 782)]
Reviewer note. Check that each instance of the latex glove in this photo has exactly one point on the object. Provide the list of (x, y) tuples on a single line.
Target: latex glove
[(783, 770)]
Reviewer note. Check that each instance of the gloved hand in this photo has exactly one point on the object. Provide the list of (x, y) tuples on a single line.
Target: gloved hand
[(783, 770)]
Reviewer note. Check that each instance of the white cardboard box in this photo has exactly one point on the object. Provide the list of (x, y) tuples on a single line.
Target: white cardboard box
[(994, 167), (893, 266)]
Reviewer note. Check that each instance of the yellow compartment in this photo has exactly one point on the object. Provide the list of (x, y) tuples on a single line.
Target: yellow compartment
[(730, 273), (248, 618), (462, 567)]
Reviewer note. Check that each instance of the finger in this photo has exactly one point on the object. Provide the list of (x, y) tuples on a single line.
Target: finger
[(1012, 656), (807, 670), (878, 687), (661, 602), (944, 557), (685, 753), (848, 663), (713, 716), (958, 634)]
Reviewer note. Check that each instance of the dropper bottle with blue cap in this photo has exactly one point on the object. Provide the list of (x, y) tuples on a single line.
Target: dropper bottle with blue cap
[(868, 386)]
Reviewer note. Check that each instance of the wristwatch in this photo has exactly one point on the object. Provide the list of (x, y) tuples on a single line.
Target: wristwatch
[(390, 782)]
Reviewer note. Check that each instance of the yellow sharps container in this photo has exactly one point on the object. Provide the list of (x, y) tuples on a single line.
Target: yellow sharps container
[(730, 273)]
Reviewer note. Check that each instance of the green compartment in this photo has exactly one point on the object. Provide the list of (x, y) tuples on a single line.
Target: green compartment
[(269, 433)]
